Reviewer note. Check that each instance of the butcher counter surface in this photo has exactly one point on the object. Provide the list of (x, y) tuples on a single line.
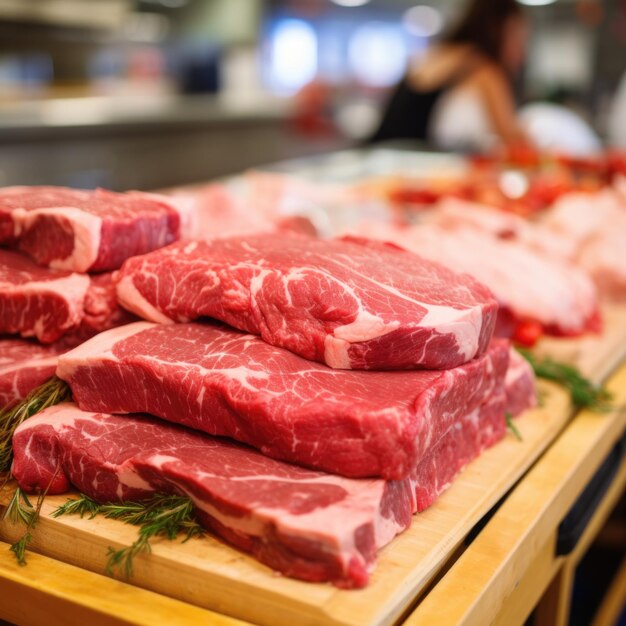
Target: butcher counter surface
[(206, 578)]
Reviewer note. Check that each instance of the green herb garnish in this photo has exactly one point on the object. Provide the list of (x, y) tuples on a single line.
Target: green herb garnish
[(21, 511), (510, 424), (51, 392), (160, 515), (583, 392)]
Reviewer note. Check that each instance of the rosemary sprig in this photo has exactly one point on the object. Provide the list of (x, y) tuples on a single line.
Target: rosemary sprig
[(51, 392), (583, 392), (19, 508), (510, 424), (160, 515), (83, 506), (21, 511)]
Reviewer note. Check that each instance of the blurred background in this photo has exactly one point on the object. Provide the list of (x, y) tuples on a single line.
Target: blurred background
[(152, 93)]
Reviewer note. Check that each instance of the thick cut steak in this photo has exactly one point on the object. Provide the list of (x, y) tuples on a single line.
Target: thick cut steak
[(528, 285), (340, 303), (84, 231), (215, 210), (48, 304), (306, 524), (24, 365), (227, 383), (519, 385), (594, 227), (39, 302), (587, 229), (101, 309)]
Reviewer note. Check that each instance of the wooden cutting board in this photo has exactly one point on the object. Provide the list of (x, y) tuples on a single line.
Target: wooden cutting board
[(209, 574)]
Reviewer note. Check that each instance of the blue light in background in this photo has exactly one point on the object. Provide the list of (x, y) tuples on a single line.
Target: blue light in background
[(293, 55), (378, 54)]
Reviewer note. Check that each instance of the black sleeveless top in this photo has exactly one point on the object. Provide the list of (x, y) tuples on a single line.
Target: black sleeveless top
[(408, 112)]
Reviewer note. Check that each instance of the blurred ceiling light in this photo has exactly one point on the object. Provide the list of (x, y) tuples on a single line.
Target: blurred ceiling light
[(377, 54), (293, 61), (423, 21), (350, 3), (536, 3)]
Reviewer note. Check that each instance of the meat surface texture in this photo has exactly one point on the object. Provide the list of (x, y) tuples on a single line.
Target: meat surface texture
[(49, 304), (453, 213), (227, 383), (594, 227), (337, 302), (101, 309), (84, 231), (303, 523), (528, 285), (215, 210), (588, 230), (24, 365), (39, 302), (519, 385)]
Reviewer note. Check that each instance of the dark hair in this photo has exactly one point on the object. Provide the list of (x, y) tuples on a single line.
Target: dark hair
[(482, 25)]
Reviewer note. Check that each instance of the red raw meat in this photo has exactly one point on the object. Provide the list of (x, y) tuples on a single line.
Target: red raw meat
[(306, 524), (82, 231), (24, 365), (224, 382), (101, 309), (529, 286), (49, 304), (519, 384), (39, 302), (337, 302), (214, 210)]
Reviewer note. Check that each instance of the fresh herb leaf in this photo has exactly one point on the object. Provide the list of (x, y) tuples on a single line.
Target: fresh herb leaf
[(510, 424), (83, 506), (583, 392), (123, 559), (20, 510), (51, 392), (160, 515)]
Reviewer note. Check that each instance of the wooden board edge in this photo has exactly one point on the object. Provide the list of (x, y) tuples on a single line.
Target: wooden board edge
[(478, 584), (55, 593)]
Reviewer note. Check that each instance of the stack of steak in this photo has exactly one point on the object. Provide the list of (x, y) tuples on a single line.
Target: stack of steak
[(52, 236), (352, 382)]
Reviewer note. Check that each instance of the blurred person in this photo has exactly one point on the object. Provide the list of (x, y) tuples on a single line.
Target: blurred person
[(459, 95)]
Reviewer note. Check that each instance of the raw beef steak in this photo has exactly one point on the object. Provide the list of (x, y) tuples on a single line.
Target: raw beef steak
[(101, 309), (594, 227), (306, 524), (519, 385), (39, 302), (84, 231), (24, 365), (225, 382), (215, 210), (586, 229), (47, 304), (340, 303), (529, 286)]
